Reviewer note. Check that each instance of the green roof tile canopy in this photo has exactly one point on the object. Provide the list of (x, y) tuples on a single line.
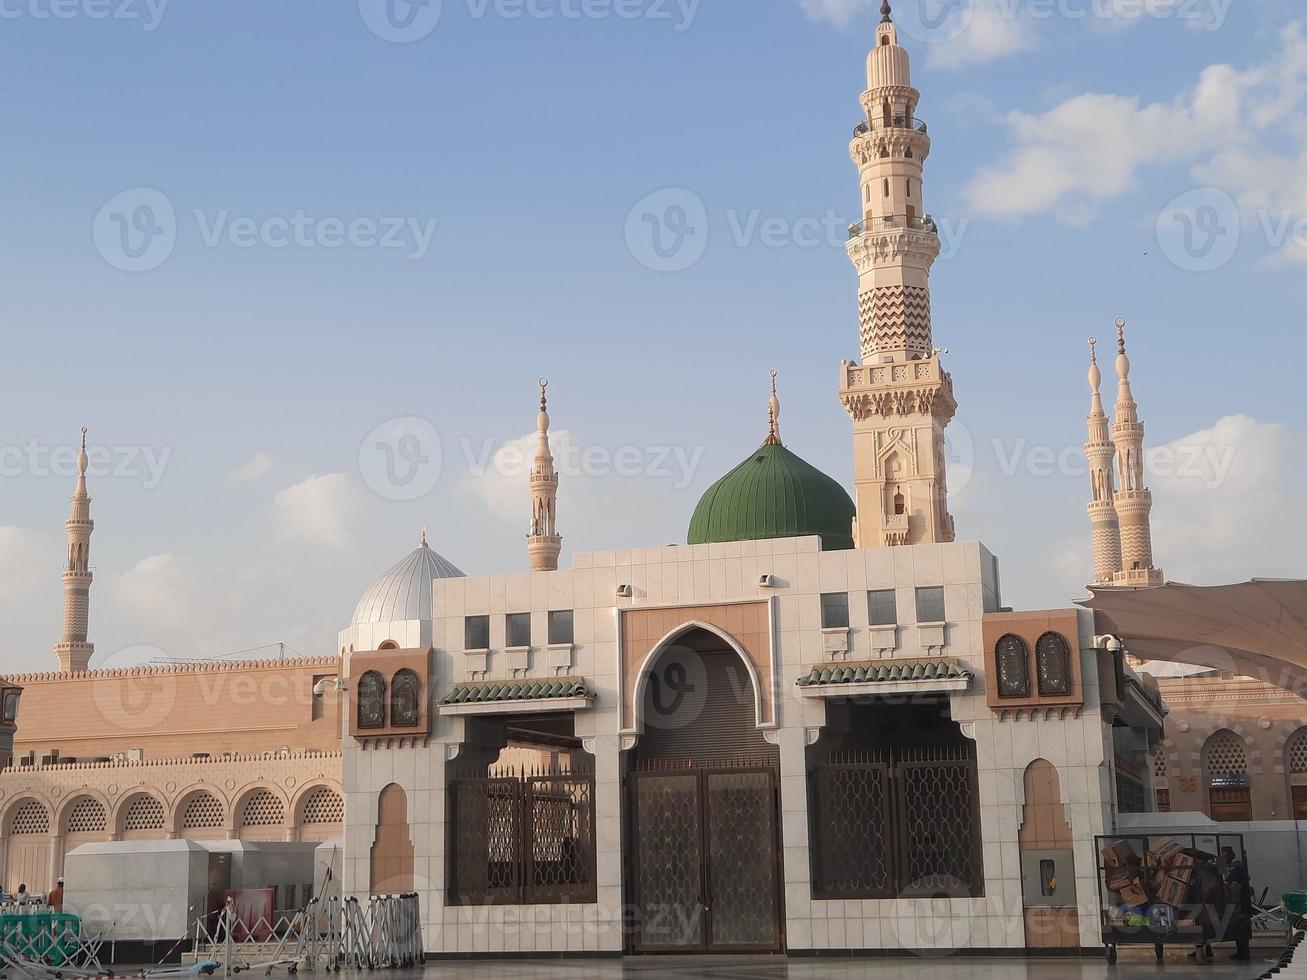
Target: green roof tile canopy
[(486, 692), (774, 494), (885, 672)]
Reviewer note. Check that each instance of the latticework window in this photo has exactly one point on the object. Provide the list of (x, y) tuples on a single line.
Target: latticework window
[(203, 812), (1298, 753), (1227, 760), (404, 699), (144, 812), (1053, 665), (1159, 763), (1012, 661), (263, 809), (88, 816), (31, 817), (372, 701), (324, 806)]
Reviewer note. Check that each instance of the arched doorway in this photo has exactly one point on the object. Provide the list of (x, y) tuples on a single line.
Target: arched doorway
[(702, 805)]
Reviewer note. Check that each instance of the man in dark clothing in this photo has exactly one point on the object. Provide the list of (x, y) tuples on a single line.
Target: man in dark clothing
[(1240, 889)]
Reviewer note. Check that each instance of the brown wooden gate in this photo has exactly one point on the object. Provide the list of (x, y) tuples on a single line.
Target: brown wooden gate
[(705, 871)]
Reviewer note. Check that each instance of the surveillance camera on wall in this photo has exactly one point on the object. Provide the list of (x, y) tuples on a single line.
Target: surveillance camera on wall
[(625, 592), (767, 581), (321, 688)]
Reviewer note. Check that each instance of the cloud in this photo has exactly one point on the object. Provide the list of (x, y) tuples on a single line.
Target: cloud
[(994, 30), (255, 468), (319, 511), (23, 553), (1229, 503), (158, 589), (1228, 129)]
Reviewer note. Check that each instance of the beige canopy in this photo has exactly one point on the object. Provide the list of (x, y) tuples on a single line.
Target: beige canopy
[(1257, 629)]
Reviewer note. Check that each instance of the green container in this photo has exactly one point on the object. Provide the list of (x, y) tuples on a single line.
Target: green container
[(1295, 910)]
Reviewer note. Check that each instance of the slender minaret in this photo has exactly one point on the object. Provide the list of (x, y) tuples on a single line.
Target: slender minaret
[(544, 544), (73, 651), (1100, 453), (900, 397), (1134, 501)]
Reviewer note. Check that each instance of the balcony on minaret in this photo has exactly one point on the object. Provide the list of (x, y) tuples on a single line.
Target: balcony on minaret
[(891, 121)]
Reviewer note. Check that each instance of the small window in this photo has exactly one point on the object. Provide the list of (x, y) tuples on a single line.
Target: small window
[(476, 633), (1053, 665), (518, 630), (1012, 663), (882, 608), (900, 504), (561, 629), (11, 707), (835, 611), (909, 188), (930, 605), (372, 701), (1047, 878), (404, 688), (887, 187)]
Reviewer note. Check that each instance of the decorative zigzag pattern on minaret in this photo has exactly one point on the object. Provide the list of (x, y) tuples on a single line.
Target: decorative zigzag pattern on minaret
[(899, 396)]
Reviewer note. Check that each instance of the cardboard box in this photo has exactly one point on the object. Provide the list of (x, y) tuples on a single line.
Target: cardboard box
[(1118, 854), (1134, 895), (1175, 890), (1162, 851)]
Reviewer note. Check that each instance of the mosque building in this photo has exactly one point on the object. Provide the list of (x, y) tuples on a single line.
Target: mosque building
[(814, 727)]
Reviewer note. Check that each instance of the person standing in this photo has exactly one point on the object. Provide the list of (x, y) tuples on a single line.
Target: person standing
[(1240, 889), (56, 897)]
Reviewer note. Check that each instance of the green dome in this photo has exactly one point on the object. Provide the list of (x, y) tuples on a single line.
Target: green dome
[(774, 494)]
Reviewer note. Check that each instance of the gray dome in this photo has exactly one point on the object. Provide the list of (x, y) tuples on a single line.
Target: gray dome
[(404, 592)]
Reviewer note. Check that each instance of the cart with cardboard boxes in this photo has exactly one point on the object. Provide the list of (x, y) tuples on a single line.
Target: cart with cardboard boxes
[(1163, 890)]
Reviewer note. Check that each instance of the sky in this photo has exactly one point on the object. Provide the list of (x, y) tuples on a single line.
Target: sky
[(298, 267)]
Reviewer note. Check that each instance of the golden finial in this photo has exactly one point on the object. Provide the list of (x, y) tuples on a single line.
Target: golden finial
[(1120, 334), (885, 17), (773, 415), (1093, 349), (424, 538), (544, 390), (83, 437)]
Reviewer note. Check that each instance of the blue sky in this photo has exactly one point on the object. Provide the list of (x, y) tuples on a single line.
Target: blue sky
[(236, 384)]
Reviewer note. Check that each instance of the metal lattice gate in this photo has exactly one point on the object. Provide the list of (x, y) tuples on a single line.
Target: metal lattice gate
[(706, 870), (896, 824)]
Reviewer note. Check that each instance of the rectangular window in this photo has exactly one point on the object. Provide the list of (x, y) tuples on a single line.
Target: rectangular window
[(835, 611), (882, 608), (518, 630), (930, 605), (560, 628), (476, 633)]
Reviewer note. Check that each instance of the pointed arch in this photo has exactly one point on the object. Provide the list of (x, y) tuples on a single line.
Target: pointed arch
[(140, 813), (661, 647)]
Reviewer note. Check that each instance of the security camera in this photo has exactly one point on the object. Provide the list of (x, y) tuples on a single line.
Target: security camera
[(767, 581), (321, 688)]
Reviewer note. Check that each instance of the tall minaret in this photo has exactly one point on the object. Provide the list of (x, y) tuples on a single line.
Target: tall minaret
[(900, 397), (544, 544), (1134, 501), (1100, 453), (73, 651)]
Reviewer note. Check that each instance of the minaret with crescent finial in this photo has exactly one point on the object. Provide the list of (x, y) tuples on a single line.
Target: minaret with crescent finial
[(1100, 453), (544, 544), (73, 651), (899, 396), (1133, 500)]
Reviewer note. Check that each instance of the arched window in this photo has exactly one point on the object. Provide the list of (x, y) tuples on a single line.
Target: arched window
[(10, 714), (1225, 765), (1053, 665), (404, 699), (900, 504), (1012, 664), (1296, 759), (88, 816), (372, 700)]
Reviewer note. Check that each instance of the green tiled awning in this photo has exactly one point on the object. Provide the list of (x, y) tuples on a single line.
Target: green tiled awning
[(885, 672), (502, 692)]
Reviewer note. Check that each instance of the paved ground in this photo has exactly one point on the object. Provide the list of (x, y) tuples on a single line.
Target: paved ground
[(1131, 967)]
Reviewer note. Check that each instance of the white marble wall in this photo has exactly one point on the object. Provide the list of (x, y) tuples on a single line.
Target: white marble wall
[(719, 573)]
